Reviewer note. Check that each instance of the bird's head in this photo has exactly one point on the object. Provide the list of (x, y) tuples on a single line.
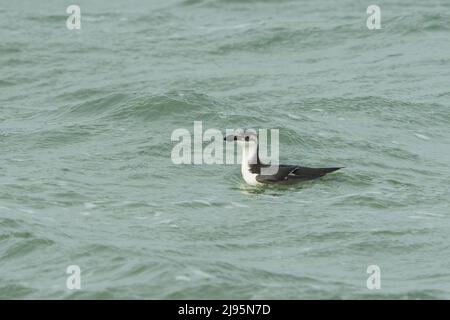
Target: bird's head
[(243, 138)]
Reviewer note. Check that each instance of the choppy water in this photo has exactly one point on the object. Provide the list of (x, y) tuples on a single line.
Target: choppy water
[(85, 171)]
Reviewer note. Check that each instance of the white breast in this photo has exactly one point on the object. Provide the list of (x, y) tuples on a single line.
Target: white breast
[(249, 155), (250, 178)]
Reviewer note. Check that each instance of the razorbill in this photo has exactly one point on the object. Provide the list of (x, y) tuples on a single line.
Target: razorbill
[(251, 165)]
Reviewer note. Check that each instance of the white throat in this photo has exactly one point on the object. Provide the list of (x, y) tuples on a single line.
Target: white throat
[(249, 157), (249, 153)]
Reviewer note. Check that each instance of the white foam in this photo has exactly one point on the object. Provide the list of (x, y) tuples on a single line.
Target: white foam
[(421, 136)]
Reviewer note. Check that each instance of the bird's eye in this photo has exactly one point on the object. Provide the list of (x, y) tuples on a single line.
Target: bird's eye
[(235, 138), (247, 138)]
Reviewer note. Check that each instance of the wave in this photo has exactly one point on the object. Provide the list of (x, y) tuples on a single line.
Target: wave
[(16, 291), (124, 106), (263, 39), (419, 23), (227, 2)]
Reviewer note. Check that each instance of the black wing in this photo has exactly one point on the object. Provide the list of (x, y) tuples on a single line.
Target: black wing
[(290, 174)]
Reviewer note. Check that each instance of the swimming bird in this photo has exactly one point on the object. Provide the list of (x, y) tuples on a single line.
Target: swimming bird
[(253, 170)]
